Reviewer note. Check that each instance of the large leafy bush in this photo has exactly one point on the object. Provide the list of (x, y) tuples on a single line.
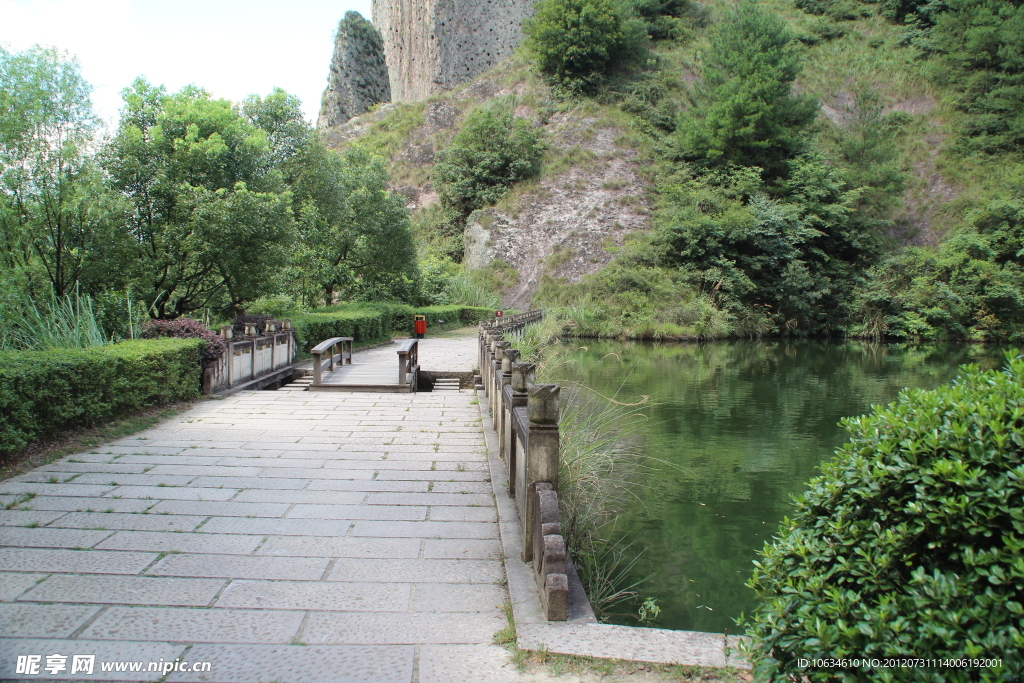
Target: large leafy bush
[(909, 544), (492, 152), (577, 42)]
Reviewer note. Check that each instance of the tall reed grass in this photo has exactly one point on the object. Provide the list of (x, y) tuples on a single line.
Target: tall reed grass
[(461, 291), (599, 463), (55, 322)]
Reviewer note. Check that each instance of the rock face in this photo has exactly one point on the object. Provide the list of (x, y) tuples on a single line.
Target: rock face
[(434, 45), (570, 225), (359, 74)]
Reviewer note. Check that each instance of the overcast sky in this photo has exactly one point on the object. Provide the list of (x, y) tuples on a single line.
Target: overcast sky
[(229, 47)]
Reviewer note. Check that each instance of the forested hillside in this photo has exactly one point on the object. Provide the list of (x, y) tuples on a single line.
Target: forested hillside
[(821, 168)]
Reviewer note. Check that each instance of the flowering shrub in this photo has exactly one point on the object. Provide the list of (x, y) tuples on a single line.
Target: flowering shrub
[(188, 328)]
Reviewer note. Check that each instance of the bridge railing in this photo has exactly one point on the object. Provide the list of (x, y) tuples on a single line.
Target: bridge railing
[(251, 356), (338, 350), (408, 362), (525, 417)]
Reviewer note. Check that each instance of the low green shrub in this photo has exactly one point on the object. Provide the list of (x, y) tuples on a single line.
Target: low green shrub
[(908, 545), (363, 325), (372, 322), (43, 393)]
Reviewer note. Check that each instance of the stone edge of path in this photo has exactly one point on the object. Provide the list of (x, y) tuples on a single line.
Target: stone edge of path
[(583, 636)]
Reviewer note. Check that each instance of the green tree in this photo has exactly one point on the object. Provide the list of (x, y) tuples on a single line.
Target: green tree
[(211, 218), (745, 113), (57, 216), (577, 42), (356, 235), (491, 152)]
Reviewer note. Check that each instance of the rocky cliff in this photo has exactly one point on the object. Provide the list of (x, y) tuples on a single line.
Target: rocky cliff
[(359, 75), (434, 45)]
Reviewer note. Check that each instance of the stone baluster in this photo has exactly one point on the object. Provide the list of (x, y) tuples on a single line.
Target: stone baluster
[(523, 375), (540, 463)]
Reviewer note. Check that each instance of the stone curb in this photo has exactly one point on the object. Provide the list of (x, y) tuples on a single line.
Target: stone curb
[(582, 635)]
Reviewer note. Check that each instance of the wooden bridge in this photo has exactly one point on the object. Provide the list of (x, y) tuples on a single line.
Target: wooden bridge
[(333, 369)]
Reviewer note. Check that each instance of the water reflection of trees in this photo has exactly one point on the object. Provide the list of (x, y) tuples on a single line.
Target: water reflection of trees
[(735, 429)]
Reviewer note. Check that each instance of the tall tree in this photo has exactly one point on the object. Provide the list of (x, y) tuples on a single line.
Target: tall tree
[(211, 217), (356, 236), (745, 113), (56, 213)]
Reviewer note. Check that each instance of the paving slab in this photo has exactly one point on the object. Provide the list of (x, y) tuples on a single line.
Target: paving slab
[(400, 629), (104, 653), (463, 549), (230, 544), (424, 529), (478, 663), (244, 567), (50, 538), (173, 493), (32, 518), (307, 595), (438, 598), (302, 664), (289, 497), (183, 624), (125, 590), (278, 527), (126, 520), (74, 561), (363, 512), (26, 620), (84, 504), (419, 571), (220, 509), (13, 585), (338, 547)]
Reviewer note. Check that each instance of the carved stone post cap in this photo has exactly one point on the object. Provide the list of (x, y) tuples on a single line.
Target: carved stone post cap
[(509, 356), (225, 331), (542, 403), (523, 375), (250, 329), (286, 324)]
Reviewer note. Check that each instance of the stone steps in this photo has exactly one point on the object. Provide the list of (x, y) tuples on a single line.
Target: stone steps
[(446, 384)]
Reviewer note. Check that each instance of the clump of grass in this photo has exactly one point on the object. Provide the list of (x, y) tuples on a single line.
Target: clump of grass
[(598, 460), (55, 322)]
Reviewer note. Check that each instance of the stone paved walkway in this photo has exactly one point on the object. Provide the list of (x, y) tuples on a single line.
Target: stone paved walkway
[(279, 536)]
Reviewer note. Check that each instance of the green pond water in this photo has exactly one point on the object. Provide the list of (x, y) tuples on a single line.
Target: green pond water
[(735, 429)]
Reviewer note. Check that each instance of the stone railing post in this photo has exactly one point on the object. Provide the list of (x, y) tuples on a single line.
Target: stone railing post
[(523, 375), (495, 397), (540, 463), (549, 554), (509, 358)]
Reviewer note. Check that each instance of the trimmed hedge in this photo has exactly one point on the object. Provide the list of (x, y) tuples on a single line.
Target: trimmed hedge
[(369, 323), (910, 544), (45, 392)]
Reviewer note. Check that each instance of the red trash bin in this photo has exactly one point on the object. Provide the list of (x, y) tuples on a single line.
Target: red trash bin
[(419, 325)]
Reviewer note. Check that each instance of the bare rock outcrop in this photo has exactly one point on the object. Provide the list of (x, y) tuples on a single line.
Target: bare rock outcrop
[(434, 45), (572, 223), (359, 75)]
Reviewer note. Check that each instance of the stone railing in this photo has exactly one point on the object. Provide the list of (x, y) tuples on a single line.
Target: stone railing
[(525, 417), (251, 356)]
